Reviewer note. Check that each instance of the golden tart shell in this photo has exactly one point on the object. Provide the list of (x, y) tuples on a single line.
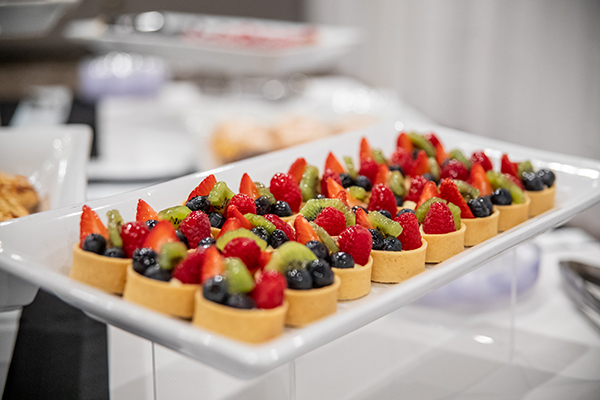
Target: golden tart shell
[(171, 298), (106, 273), (480, 229), (441, 247), (513, 215), (251, 326), (398, 266), (356, 282), (541, 201), (306, 306)]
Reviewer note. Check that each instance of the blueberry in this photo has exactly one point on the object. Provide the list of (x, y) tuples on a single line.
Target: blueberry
[(415, 153), (281, 209), (357, 207), (207, 241), (261, 233), (263, 205), (487, 200), (320, 272), (216, 289), (181, 237), (278, 237), (429, 177), (347, 180), (240, 300), (199, 203), (321, 196), (546, 176), (94, 243), (479, 208), (377, 239), (385, 213), (399, 200), (143, 258), (404, 211), (158, 273), (114, 252), (397, 168), (318, 248), (341, 260), (364, 182), (216, 220), (392, 244), (151, 223), (501, 197), (299, 279), (532, 181)]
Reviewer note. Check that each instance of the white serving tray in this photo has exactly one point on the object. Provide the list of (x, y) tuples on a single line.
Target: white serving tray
[(38, 249)]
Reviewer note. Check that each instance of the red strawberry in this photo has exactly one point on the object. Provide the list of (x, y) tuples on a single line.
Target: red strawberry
[(410, 236), (90, 223), (417, 183), (244, 203), (450, 193), (204, 188), (231, 224), (195, 227), (281, 225), (333, 164), (432, 138), (333, 188), (454, 169), (297, 169), (438, 219), (479, 179), (342, 196), (265, 257), (248, 187), (357, 241), (402, 158), (369, 168), (163, 232), (246, 250), (362, 219), (134, 235), (233, 212), (213, 264), (144, 212), (365, 153), (516, 180), (430, 190), (332, 220), (269, 291), (304, 232), (188, 270), (326, 176), (382, 198), (404, 142), (440, 154), (481, 158), (418, 166), (285, 187), (383, 175), (508, 167)]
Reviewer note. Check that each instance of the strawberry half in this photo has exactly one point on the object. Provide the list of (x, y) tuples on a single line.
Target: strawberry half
[(430, 190), (365, 153), (481, 158), (233, 212), (269, 291), (383, 175), (450, 193), (304, 232), (163, 232), (333, 164), (212, 265), (479, 180), (420, 165), (204, 188), (508, 167), (404, 142), (362, 219), (297, 169), (281, 225), (90, 223), (231, 224), (326, 176), (144, 212), (333, 188), (248, 187)]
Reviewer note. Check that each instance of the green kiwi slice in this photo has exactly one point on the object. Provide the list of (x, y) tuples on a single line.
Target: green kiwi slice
[(313, 207), (260, 222), (382, 223), (219, 196), (326, 239), (397, 183), (499, 180), (419, 141), (174, 214), (287, 253), (239, 279), (264, 191), (171, 254), (114, 228), (309, 182), (350, 167), (421, 211)]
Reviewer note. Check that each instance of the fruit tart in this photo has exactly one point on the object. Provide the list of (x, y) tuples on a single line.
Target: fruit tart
[(398, 254), (441, 228), (509, 199)]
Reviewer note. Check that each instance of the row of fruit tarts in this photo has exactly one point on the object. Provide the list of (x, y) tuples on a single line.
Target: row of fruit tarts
[(245, 265)]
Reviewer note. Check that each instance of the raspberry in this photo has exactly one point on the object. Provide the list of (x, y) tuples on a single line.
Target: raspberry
[(245, 249), (454, 169), (188, 270), (133, 235), (481, 158), (269, 290), (417, 183), (369, 168), (450, 193), (401, 157), (281, 225), (332, 220), (195, 227), (357, 241), (382, 198), (438, 220), (326, 175), (244, 203), (410, 236), (284, 187)]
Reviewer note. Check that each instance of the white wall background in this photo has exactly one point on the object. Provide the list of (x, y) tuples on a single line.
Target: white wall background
[(524, 71)]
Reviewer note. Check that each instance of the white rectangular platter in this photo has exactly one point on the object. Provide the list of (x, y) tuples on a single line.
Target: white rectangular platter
[(38, 249)]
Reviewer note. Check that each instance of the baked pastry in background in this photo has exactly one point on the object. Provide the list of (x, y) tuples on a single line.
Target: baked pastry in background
[(240, 138), (18, 198)]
